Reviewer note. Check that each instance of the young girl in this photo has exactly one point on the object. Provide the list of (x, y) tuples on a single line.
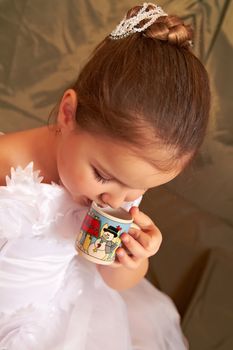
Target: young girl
[(133, 120)]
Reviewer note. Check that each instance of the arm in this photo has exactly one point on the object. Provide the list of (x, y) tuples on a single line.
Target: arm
[(141, 244)]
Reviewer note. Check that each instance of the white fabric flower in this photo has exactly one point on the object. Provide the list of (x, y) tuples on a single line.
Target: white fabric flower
[(29, 207)]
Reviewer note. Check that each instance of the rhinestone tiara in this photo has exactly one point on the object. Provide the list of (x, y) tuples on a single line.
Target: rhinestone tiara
[(129, 26)]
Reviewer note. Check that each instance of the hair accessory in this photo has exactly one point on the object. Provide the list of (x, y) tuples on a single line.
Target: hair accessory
[(129, 26)]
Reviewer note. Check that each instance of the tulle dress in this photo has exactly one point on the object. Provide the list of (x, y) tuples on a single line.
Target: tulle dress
[(53, 299)]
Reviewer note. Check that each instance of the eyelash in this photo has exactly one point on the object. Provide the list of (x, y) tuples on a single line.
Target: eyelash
[(100, 178)]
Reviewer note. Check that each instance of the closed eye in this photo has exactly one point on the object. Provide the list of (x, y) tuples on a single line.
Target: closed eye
[(99, 177)]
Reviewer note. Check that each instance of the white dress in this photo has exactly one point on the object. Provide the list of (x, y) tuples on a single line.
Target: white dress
[(53, 299)]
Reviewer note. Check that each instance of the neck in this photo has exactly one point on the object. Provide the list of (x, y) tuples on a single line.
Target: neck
[(43, 145)]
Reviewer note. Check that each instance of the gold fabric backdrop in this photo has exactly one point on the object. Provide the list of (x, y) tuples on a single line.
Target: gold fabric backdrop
[(43, 44)]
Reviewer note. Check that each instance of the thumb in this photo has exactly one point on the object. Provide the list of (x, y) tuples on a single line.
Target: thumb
[(141, 219)]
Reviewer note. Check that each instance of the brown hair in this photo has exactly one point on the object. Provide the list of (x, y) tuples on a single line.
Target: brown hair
[(146, 88)]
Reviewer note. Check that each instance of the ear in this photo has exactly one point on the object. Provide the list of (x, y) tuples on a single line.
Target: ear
[(67, 110)]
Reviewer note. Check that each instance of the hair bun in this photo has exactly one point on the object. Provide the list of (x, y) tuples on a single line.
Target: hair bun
[(166, 28), (171, 29)]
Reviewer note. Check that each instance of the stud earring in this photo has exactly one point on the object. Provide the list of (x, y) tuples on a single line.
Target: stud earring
[(58, 131)]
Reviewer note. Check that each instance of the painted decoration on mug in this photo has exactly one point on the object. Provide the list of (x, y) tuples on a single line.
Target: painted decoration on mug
[(99, 238)]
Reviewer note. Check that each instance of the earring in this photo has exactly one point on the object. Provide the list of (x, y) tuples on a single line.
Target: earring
[(58, 131)]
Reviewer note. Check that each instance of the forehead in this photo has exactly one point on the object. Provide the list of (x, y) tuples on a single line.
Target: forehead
[(128, 164)]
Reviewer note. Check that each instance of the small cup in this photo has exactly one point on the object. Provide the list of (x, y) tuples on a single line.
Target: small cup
[(100, 233)]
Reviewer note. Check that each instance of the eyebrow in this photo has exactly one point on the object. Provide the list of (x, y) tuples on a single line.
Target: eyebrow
[(99, 167)]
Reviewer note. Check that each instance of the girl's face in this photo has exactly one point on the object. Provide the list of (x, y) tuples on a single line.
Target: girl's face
[(96, 168)]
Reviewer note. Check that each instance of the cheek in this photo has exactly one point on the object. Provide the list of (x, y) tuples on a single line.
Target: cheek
[(75, 182), (77, 177), (69, 172)]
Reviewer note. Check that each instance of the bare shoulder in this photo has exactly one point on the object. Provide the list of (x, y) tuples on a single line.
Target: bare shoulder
[(5, 157), (10, 153), (22, 147)]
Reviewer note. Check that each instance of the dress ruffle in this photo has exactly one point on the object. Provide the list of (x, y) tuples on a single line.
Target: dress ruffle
[(52, 298), (31, 208)]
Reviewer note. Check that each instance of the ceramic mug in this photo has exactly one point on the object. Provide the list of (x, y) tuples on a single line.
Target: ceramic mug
[(100, 233)]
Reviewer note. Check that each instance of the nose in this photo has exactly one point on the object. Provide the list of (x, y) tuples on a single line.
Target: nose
[(115, 200)]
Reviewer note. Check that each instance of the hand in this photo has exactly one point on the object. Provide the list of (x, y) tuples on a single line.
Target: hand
[(139, 244)]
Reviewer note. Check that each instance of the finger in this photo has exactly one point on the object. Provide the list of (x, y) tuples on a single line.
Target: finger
[(141, 219), (126, 260), (151, 243), (150, 240), (133, 246)]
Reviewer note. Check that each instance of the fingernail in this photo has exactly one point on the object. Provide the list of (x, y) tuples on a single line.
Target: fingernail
[(125, 238), (120, 253)]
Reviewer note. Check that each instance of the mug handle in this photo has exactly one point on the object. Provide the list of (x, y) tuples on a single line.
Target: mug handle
[(133, 225)]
